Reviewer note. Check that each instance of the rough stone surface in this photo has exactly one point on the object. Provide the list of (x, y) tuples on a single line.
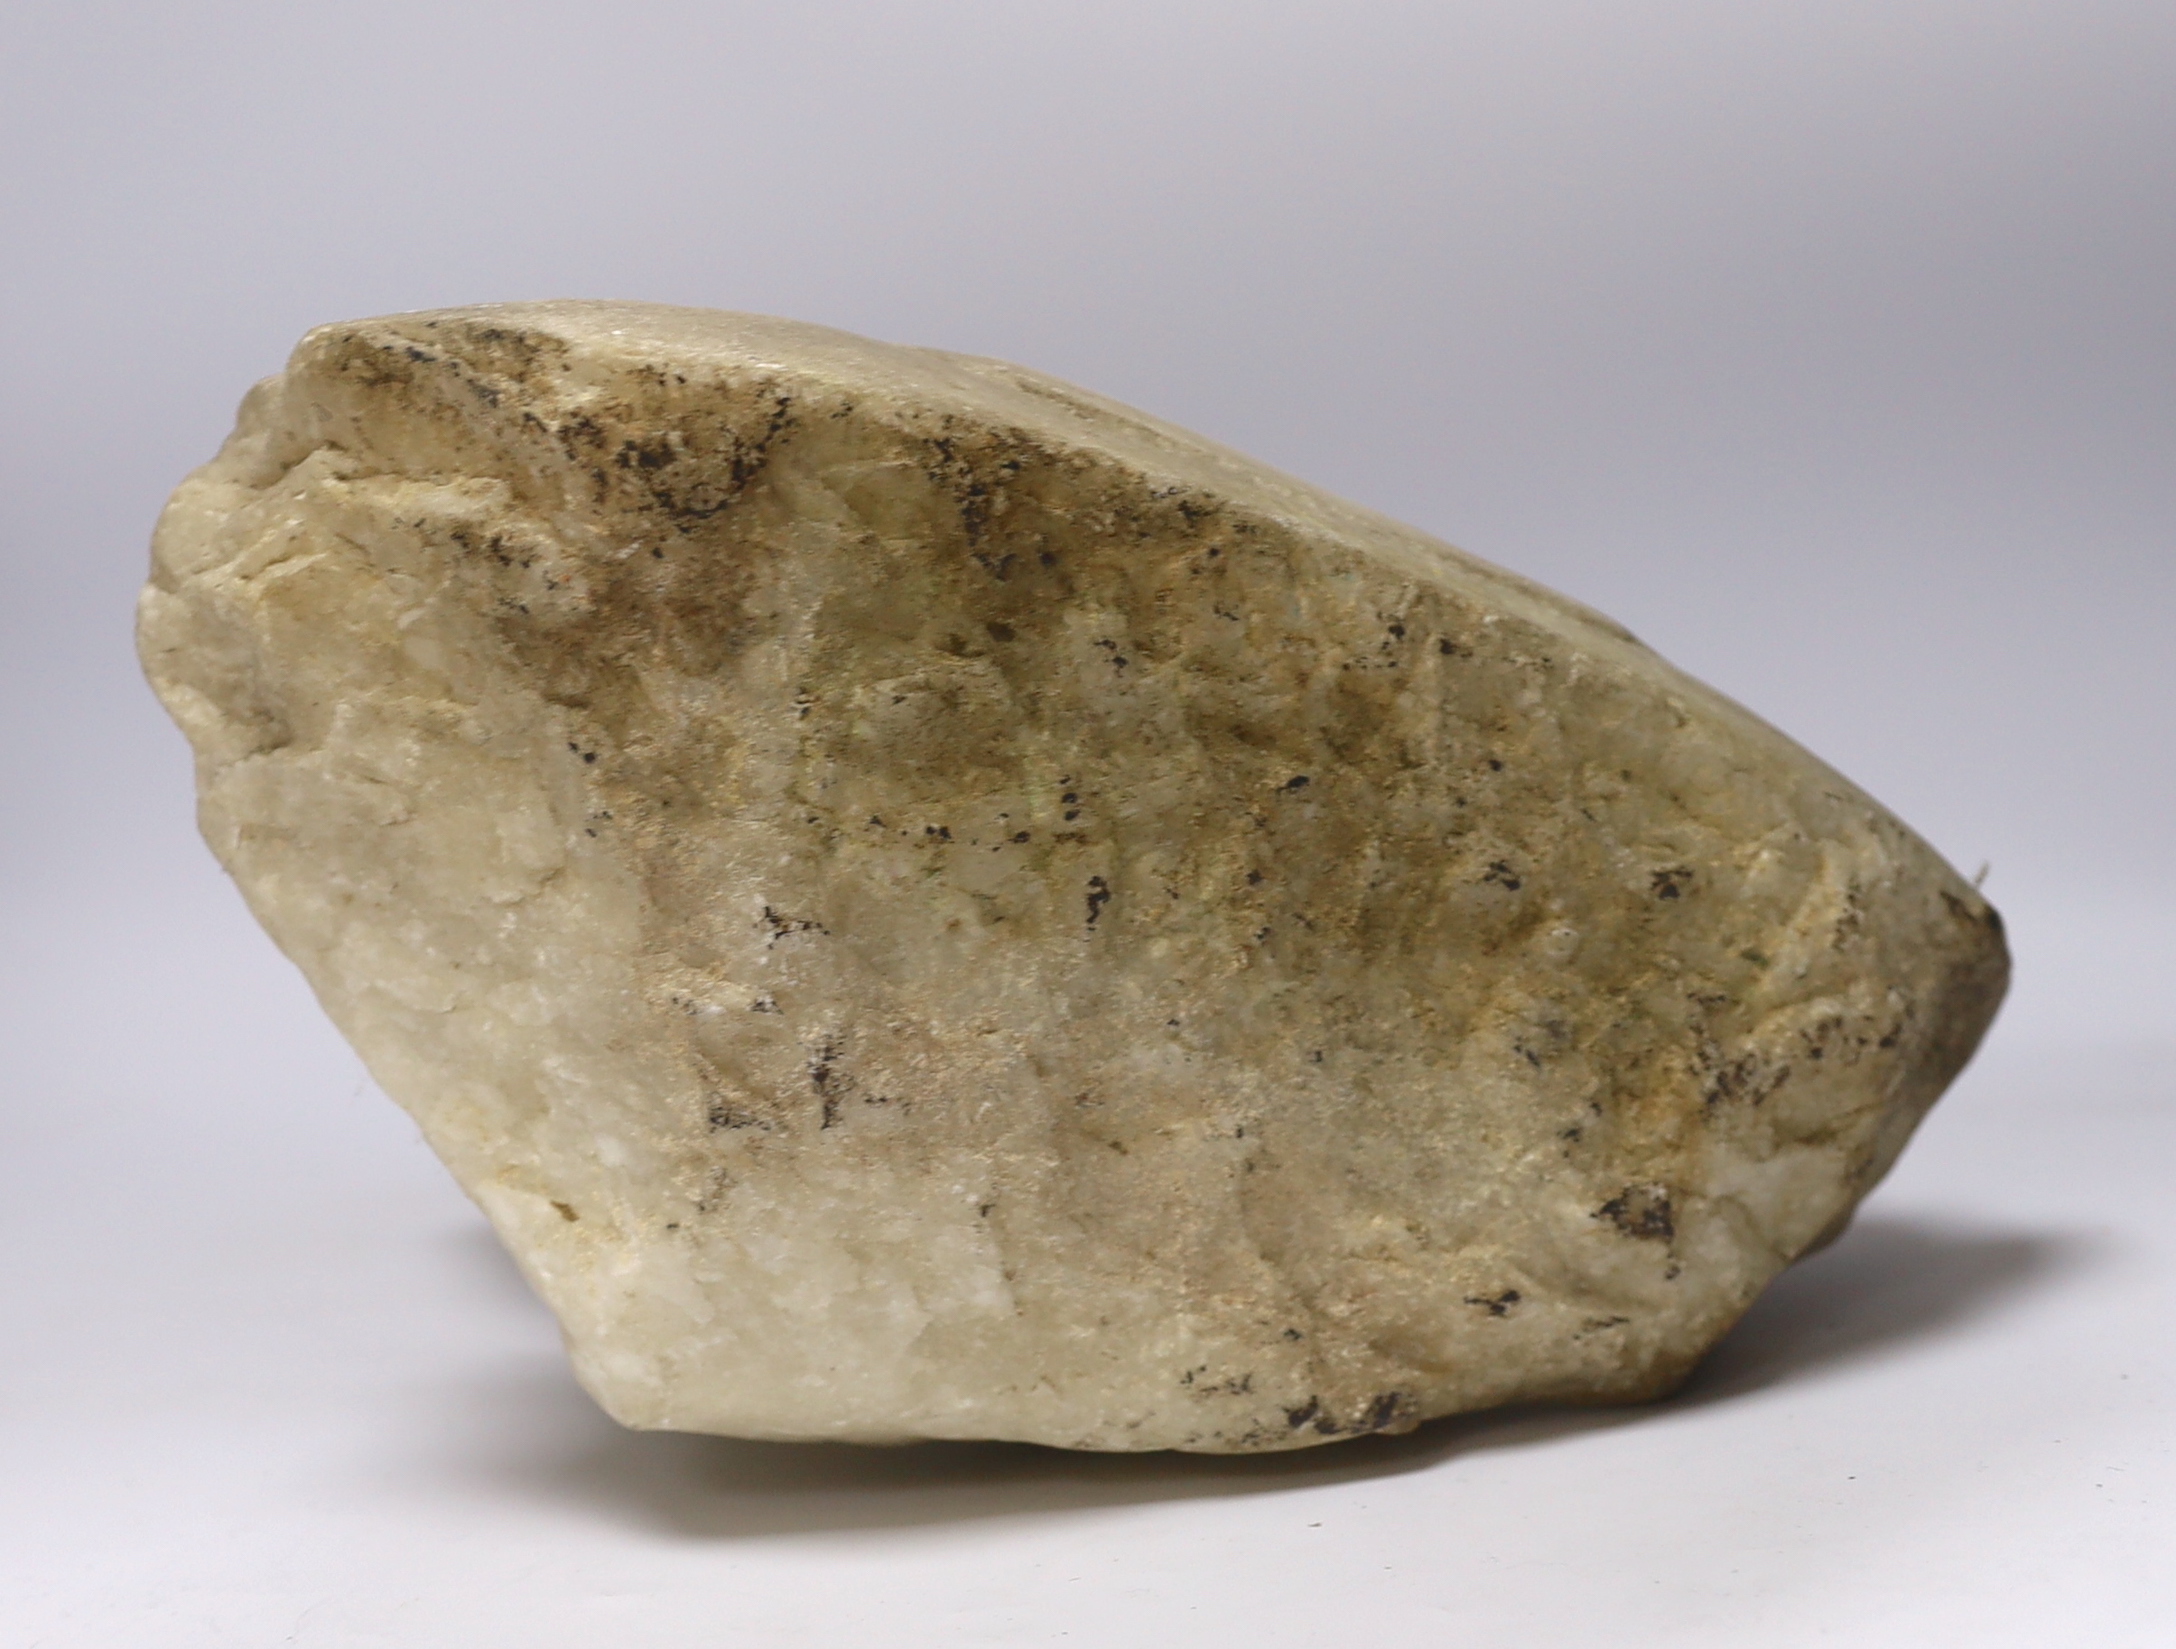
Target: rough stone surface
[(925, 903)]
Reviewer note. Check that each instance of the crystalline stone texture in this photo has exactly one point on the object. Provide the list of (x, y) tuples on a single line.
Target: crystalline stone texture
[(925, 903)]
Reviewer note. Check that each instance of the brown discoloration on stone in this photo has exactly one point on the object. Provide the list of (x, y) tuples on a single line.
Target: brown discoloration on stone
[(1177, 905)]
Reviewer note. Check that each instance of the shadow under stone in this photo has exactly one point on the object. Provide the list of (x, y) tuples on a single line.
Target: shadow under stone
[(1891, 1281)]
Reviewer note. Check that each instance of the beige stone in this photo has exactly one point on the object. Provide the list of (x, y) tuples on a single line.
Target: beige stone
[(925, 903)]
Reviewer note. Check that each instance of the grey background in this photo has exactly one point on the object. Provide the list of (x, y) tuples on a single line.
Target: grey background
[(1829, 346)]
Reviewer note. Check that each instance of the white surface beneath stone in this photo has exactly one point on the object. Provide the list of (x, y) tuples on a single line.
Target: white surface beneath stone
[(269, 1382)]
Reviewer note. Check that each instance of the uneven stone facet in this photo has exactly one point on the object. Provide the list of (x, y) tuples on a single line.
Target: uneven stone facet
[(924, 903)]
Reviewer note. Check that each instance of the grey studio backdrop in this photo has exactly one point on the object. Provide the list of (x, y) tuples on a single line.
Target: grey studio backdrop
[(1829, 346)]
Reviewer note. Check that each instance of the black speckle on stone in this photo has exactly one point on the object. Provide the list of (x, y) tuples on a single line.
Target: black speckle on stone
[(1496, 1305), (1099, 895), (781, 926), (1641, 1211), (999, 632), (1296, 1418), (720, 1116), (1383, 1411), (649, 455), (1671, 883), (1298, 781)]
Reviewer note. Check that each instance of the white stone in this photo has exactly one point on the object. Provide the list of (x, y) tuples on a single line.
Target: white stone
[(924, 903)]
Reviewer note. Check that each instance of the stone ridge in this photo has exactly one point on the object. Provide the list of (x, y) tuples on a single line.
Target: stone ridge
[(925, 903)]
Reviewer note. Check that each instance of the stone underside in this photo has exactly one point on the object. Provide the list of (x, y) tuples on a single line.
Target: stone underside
[(924, 903)]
